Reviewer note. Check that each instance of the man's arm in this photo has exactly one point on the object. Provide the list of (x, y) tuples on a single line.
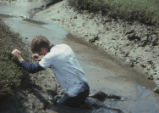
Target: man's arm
[(32, 68)]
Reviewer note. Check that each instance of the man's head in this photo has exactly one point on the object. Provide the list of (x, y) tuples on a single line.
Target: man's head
[(40, 45)]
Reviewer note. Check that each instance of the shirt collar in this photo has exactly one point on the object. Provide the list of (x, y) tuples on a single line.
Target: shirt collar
[(51, 47)]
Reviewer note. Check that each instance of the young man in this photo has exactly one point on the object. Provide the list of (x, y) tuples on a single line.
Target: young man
[(65, 66)]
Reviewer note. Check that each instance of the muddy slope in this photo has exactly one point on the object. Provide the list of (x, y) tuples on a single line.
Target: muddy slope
[(111, 36), (134, 43)]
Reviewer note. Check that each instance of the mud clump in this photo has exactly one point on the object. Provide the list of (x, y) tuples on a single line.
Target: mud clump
[(143, 39)]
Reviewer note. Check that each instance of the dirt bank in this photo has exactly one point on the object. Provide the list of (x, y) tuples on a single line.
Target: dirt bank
[(110, 32), (31, 91), (134, 43)]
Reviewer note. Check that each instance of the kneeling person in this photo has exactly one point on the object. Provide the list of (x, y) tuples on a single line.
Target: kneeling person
[(65, 66)]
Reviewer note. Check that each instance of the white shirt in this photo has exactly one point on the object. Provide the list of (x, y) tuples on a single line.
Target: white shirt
[(66, 68)]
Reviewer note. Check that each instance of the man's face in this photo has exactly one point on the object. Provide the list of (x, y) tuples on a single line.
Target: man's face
[(43, 51)]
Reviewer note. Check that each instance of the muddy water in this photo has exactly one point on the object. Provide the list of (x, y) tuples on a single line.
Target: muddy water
[(103, 72)]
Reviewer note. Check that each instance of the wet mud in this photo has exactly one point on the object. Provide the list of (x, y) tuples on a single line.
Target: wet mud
[(104, 73)]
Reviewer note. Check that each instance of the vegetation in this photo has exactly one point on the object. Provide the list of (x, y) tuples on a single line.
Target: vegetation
[(11, 73), (145, 11)]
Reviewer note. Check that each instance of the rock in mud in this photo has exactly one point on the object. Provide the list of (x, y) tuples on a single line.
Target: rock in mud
[(130, 32), (156, 90), (100, 96), (94, 39), (150, 77), (133, 36)]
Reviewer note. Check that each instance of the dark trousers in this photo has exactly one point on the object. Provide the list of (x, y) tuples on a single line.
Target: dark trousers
[(75, 101)]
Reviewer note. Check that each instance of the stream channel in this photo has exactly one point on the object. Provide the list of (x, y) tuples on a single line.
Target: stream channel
[(102, 71)]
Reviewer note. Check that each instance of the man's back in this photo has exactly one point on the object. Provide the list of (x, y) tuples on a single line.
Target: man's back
[(65, 66)]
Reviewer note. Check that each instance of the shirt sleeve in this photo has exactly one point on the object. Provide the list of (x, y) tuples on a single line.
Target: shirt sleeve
[(45, 63), (32, 68)]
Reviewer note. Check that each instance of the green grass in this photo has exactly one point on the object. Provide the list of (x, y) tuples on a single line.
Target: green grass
[(11, 73), (145, 11)]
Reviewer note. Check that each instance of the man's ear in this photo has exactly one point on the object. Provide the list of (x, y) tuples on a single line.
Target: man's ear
[(42, 49)]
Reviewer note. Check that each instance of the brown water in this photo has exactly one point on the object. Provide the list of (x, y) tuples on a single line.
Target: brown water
[(103, 72)]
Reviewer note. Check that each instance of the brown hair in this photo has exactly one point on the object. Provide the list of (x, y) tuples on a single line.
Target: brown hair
[(39, 42)]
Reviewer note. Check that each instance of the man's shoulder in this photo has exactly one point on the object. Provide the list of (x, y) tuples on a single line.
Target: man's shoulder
[(60, 48), (57, 50), (62, 45)]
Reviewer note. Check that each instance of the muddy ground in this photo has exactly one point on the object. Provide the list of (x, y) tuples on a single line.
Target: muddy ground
[(35, 97), (130, 42), (133, 43)]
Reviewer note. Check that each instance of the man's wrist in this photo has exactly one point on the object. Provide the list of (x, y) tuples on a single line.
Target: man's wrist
[(20, 58)]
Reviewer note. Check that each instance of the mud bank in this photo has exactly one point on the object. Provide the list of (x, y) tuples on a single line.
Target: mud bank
[(133, 43), (103, 74)]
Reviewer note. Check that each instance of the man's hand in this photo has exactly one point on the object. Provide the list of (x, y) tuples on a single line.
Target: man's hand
[(17, 53), (36, 57)]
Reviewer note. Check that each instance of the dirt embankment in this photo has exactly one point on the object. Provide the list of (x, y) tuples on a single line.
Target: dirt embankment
[(135, 43), (21, 92)]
